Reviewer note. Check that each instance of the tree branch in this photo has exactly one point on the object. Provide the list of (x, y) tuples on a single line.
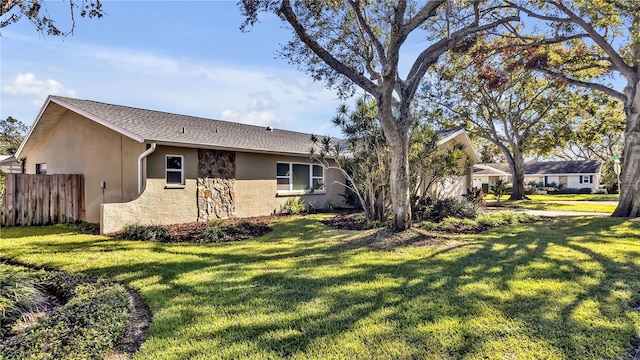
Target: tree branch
[(431, 54), (353, 75), (585, 84)]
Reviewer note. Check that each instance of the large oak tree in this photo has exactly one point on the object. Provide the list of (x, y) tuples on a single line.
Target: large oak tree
[(521, 112), (357, 42), (592, 44)]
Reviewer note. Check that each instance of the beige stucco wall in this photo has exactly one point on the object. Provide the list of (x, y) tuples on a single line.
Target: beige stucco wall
[(157, 205), (256, 186), (76, 145), (255, 191)]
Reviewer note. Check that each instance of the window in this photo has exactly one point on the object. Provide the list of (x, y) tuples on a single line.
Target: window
[(585, 179), (174, 165), (299, 177), (41, 169)]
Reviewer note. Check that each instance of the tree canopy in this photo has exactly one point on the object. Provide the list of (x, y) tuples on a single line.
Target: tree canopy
[(359, 43), (35, 11), (12, 132)]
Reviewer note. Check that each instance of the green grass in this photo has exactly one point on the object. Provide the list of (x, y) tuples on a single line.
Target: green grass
[(557, 206), (576, 197), (566, 197), (554, 290)]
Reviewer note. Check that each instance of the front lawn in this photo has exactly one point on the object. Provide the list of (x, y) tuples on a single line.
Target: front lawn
[(576, 197), (551, 290), (581, 206)]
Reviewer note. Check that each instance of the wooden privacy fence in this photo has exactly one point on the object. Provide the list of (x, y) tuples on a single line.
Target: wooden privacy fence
[(42, 199)]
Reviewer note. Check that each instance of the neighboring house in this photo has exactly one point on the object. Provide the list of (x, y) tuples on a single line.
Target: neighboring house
[(574, 174), (9, 164), (459, 185), (152, 167)]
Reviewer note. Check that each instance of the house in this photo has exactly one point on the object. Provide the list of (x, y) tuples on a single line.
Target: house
[(573, 174), (151, 167), (453, 187), (9, 164)]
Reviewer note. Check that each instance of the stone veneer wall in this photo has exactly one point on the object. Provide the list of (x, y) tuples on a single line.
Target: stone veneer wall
[(216, 184)]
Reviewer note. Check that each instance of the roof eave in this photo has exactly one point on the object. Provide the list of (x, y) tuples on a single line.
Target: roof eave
[(52, 99), (227, 148)]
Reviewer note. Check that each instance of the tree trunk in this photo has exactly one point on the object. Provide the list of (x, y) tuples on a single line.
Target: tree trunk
[(517, 177), (629, 204), (516, 165), (399, 180)]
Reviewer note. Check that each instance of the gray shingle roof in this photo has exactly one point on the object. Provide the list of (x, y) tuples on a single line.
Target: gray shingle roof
[(162, 127), (548, 167)]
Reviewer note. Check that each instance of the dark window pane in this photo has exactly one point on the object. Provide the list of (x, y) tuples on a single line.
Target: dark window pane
[(317, 170), (174, 177), (317, 184), (174, 162), (300, 177), (283, 170)]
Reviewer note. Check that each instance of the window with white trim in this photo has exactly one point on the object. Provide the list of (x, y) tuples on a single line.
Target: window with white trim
[(174, 169), (299, 177), (586, 179), (41, 169)]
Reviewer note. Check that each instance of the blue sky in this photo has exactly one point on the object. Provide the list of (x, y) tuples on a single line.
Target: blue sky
[(186, 57)]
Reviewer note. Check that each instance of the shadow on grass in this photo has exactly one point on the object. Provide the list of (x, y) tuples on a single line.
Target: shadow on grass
[(308, 290)]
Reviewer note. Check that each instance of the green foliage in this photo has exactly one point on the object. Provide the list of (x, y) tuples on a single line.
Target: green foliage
[(36, 12), (363, 157), (12, 132), (94, 314), (435, 210), (481, 223), (213, 233), (146, 232), (431, 165), (294, 206), (498, 218), (20, 297), (499, 189)]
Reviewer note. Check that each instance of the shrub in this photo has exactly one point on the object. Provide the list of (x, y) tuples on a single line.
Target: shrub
[(146, 232), (453, 207), (157, 233), (480, 223), (435, 210), (94, 314), (499, 189), (294, 206), (21, 296), (497, 218), (475, 195), (213, 233)]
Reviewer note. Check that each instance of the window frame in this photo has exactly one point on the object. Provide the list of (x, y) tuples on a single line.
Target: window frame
[(586, 179), (167, 170), (289, 177), (41, 168)]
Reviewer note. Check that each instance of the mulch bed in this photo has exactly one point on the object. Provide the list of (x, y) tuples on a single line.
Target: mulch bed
[(346, 222), (191, 232)]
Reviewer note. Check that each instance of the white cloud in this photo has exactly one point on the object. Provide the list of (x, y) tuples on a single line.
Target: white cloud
[(262, 101), (258, 118), (29, 85)]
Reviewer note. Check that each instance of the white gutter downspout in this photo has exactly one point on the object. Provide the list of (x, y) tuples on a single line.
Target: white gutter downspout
[(141, 165)]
